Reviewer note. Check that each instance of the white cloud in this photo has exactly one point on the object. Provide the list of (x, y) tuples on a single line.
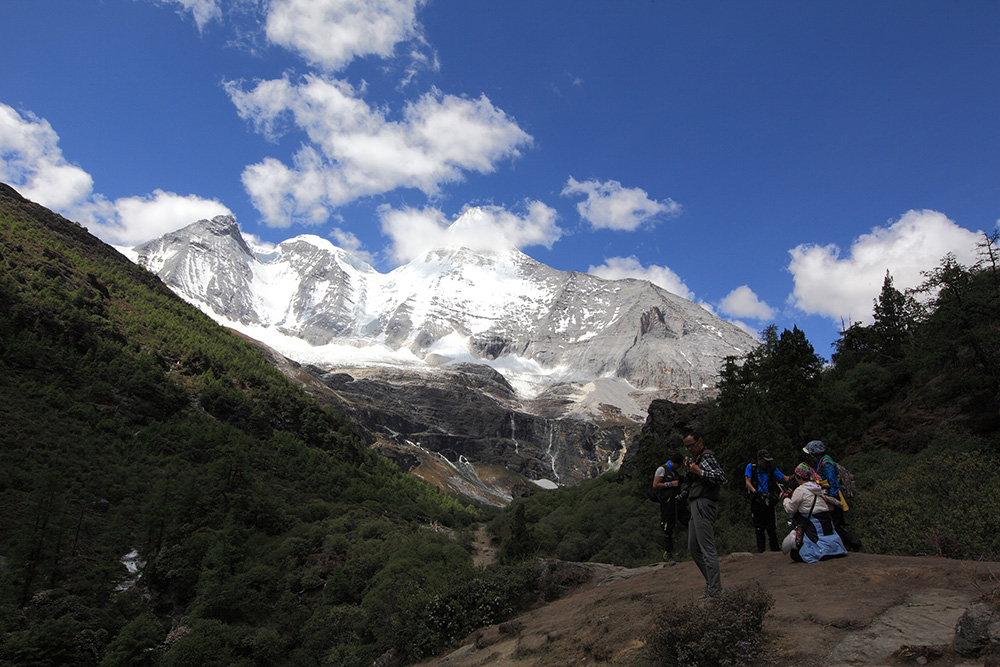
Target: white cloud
[(32, 162), (332, 33), (743, 302), (348, 241), (139, 219), (356, 151), (610, 206), (203, 11), (415, 231), (618, 268), (412, 231), (844, 289)]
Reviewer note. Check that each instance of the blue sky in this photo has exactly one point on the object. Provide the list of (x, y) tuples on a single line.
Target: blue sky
[(769, 160)]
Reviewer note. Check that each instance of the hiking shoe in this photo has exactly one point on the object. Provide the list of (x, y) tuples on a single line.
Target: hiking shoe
[(668, 558)]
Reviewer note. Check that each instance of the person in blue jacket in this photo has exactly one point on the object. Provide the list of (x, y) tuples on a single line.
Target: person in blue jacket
[(762, 481), (819, 458)]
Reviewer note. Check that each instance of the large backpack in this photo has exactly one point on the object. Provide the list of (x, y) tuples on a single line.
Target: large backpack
[(847, 486), (844, 476)]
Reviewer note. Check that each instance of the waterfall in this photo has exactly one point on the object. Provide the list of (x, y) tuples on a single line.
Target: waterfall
[(513, 434), (551, 428)]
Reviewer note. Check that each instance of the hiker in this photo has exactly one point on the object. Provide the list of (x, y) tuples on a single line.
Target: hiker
[(762, 489), (824, 465), (705, 479), (667, 484), (813, 537)]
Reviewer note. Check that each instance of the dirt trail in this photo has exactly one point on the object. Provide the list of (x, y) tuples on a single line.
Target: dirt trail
[(483, 546), (853, 611)]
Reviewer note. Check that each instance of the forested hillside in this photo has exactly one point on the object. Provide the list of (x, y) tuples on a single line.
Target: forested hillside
[(137, 431), (909, 404)]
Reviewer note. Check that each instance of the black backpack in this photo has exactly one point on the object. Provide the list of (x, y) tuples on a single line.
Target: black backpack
[(652, 493), (658, 495)]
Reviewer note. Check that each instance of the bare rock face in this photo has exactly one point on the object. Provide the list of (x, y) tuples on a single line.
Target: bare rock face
[(470, 416), (666, 422)]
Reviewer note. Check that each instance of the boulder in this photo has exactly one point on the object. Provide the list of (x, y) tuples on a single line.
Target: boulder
[(976, 630)]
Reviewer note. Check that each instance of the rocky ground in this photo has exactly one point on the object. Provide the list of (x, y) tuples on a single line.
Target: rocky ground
[(859, 610)]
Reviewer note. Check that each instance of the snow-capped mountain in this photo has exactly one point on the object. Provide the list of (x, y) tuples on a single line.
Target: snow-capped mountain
[(535, 324), (474, 366)]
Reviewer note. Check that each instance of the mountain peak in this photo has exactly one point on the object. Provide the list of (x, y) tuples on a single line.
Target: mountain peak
[(473, 298)]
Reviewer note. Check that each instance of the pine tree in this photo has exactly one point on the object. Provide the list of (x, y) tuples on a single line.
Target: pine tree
[(894, 319)]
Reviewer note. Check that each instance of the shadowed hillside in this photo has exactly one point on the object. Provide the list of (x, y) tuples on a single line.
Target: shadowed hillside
[(170, 498)]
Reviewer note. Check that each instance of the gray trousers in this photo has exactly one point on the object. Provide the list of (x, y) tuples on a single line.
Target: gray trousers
[(701, 542)]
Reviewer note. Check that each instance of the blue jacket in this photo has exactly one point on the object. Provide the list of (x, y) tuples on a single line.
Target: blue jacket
[(827, 470)]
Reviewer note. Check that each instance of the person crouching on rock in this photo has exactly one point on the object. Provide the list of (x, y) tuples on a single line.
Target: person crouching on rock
[(813, 536)]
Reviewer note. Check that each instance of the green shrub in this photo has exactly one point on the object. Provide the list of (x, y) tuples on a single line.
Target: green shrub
[(49, 642), (205, 642), (426, 625), (938, 502), (135, 645), (724, 632)]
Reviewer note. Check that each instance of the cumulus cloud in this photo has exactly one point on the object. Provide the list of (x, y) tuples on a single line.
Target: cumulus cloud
[(610, 206), (202, 11), (844, 288), (618, 268), (356, 150), (332, 33), (414, 231), (32, 162), (139, 219), (743, 302)]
